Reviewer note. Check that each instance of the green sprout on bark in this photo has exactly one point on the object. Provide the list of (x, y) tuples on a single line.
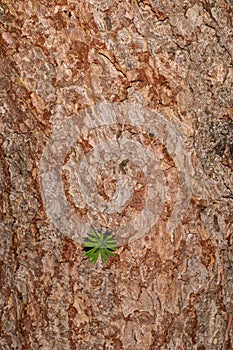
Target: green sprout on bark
[(99, 243)]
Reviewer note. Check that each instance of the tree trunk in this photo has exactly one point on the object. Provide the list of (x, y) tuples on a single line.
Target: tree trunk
[(116, 115)]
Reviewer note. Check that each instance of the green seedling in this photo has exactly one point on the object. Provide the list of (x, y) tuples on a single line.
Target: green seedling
[(99, 243)]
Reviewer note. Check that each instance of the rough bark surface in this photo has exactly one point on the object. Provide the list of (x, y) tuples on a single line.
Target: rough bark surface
[(164, 290)]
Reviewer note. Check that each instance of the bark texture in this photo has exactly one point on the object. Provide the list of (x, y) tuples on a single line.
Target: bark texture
[(164, 290)]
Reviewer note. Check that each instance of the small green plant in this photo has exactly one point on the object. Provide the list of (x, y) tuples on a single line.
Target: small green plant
[(99, 243)]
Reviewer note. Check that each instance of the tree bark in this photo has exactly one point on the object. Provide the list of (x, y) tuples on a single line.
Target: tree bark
[(116, 115)]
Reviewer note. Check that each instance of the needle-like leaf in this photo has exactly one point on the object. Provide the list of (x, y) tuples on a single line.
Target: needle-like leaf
[(99, 243)]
